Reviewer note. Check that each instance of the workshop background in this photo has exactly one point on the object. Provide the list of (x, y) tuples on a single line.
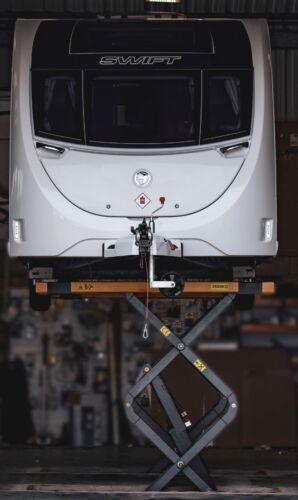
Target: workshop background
[(63, 373)]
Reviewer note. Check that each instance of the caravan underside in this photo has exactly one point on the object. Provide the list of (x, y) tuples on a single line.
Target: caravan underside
[(123, 269)]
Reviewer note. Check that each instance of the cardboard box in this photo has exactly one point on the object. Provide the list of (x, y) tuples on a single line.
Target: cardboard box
[(286, 138), (268, 403), (287, 204)]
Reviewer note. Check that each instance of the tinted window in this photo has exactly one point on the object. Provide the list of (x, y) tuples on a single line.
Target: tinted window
[(141, 37), (227, 105), (57, 104), (140, 110)]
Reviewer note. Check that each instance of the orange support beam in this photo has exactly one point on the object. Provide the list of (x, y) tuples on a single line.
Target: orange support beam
[(192, 288)]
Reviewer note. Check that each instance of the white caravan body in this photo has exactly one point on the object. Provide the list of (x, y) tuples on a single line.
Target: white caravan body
[(112, 120)]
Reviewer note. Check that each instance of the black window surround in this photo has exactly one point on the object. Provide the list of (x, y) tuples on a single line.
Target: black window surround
[(202, 44), (93, 37), (192, 124)]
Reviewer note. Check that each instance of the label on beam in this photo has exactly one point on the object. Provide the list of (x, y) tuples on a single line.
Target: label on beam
[(221, 287), (200, 365), (165, 331)]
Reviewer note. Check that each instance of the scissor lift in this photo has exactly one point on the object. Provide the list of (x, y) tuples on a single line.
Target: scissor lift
[(182, 444)]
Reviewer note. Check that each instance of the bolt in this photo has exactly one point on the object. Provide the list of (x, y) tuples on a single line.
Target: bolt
[(177, 206), (146, 369), (180, 464), (180, 346), (127, 404), (234, 405)]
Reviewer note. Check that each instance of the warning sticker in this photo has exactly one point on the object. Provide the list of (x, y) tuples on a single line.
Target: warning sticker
[(220, 286), (142, 200), (200, 365), (83, 287), (165, 331)]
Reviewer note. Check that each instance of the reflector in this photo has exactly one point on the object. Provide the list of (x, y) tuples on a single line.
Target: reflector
[(163, 1)]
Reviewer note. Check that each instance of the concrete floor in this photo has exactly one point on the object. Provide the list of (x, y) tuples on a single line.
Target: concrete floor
[(112, 473)]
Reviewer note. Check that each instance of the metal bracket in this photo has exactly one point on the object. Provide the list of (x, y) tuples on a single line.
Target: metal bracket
[(243, 272), (44, 273), (152, 282)]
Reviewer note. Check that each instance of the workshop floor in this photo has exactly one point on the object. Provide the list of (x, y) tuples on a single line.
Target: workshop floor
[(112, 473)]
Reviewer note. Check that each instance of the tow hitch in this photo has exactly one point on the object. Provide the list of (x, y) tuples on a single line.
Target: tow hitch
[(145, 241)]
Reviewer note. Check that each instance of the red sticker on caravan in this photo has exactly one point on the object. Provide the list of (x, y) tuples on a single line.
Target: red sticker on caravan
[(142, 201)]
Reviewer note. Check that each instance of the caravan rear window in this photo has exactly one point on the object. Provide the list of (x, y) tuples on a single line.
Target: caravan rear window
[(140, 110), (227, 105), (57, 104)]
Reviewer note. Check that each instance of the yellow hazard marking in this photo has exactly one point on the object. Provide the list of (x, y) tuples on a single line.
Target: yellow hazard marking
[(165, 331), (200, 365), (83, 287)]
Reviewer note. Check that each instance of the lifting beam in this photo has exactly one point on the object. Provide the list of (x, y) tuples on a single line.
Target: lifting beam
[(192, 289), (183, 444)]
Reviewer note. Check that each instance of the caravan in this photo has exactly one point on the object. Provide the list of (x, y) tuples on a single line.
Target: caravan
[(142, 142)]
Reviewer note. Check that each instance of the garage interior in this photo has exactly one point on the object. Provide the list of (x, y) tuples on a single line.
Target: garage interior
[(65, 372)]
